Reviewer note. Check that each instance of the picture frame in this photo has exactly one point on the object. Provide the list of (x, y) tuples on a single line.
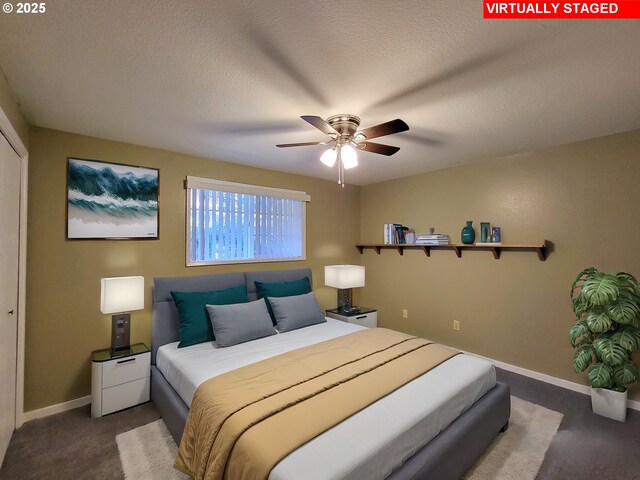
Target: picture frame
[(111, 200), (496, 236)]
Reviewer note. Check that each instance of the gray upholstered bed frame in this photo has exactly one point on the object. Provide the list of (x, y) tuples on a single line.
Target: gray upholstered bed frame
[(448, 456)]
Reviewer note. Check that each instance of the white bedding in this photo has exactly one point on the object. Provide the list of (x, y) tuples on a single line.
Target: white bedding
[(370, 444)]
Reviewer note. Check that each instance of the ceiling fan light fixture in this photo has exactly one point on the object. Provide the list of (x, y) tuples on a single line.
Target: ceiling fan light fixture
[(349, 156), (329, 157), (344, 134)]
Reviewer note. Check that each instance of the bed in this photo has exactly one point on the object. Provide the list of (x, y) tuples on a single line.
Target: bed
[(453, 443)]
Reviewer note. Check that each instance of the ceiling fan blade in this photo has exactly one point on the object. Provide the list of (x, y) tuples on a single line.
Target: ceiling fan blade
[(320, 123), (388, 128), (303, 144), (378, 148)]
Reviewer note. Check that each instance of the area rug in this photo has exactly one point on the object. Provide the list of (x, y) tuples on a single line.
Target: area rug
[(518, 453), (148, 452)]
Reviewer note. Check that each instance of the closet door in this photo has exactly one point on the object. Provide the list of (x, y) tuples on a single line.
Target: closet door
[(9, 245)]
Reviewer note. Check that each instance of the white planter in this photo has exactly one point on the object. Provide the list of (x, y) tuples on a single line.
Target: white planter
[(609, 403)]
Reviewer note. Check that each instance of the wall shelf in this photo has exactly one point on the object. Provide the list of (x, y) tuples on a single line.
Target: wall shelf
[(458, 248)]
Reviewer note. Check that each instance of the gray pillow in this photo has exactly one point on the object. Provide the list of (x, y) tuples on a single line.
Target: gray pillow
[(241, 322), (296, 312)]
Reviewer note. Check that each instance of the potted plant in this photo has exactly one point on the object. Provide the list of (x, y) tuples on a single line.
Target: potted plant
[(605, 335)]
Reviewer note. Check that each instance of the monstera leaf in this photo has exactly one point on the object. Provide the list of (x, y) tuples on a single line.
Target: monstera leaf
[(624, 309), (580, 279), (626, 374), (610, 352), (598, 320), (628, 282), (582, 358), (586, 340), (578, 301), (600, 376), (579, 306), (600, 288), (578, 330), (628, 337)]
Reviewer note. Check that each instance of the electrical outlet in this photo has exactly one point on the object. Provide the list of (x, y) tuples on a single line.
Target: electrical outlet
[(456, 325), (405, 313)]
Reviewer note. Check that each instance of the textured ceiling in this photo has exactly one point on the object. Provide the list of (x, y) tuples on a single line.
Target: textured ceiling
[(229, 79)]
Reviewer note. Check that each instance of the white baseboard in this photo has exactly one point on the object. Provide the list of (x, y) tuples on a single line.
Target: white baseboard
[(558, 382), (53, 409)]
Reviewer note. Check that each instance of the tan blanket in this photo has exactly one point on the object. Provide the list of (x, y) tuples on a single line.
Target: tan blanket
[(242, 423)]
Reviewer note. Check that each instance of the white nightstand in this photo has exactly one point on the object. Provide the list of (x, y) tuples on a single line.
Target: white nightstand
[(119, 379), (366, 317)]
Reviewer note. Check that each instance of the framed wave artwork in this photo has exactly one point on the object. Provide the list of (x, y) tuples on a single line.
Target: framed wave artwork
[(111, 201)]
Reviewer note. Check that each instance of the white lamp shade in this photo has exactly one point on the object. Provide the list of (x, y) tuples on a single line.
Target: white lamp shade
[(344, 276), (121, 294), (329, 157), (349, 156)]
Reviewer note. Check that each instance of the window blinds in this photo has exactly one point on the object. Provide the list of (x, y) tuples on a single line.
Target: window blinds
[(230, 222)]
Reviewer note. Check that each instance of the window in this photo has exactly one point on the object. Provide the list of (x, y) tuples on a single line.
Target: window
[(236, 223)]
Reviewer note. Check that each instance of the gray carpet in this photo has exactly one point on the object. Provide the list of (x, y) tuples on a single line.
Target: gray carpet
[(71, 445), (587, 446)]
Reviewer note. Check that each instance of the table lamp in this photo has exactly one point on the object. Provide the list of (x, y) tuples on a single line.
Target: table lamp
[(344, 278), (121, 295)]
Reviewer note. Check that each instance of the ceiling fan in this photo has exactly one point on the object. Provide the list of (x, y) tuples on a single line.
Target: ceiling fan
[(346, 138)]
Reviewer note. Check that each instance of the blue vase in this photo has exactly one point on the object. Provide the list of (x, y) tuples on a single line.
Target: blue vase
[(468, 233)]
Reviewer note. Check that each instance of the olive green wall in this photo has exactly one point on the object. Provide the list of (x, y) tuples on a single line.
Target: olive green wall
[(10, 107), (64, 323), (516, 309), (583, 197)]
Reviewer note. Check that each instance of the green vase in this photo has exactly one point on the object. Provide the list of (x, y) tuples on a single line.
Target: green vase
[(468, 233)]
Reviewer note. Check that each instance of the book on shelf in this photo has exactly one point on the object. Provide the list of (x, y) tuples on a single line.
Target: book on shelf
[(432, 242), (433, 239), (395, 233), (400, 229), (391, 234), (488, 244), (432, 236), (441, 239)]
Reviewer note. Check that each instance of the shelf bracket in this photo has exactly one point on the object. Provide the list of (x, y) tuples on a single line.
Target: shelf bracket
[(360, 248), (377, 249), (496, 252), (458, 251), (426, 250), (541, 253), (400, 250)]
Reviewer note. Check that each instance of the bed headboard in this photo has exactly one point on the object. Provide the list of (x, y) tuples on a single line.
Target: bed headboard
[(165, 325)]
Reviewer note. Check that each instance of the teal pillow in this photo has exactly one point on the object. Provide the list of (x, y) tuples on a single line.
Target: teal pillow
[(282, 289), (195, 326)]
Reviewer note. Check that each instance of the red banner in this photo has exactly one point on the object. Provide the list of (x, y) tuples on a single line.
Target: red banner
[(562, 9)]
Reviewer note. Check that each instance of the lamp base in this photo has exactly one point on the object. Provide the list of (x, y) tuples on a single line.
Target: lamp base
[(348, 311), (344, 301), (120, 333)]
